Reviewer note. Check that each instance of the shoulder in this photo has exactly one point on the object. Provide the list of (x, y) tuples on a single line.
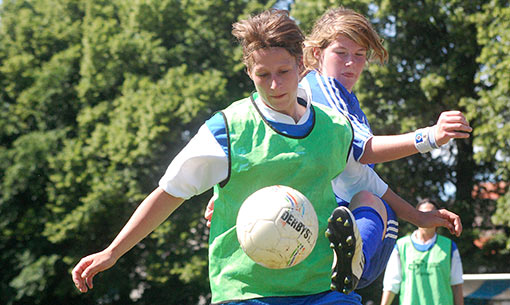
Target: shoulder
[(336, 115), (444, 239), (238, 111), (403, 240), (240, 105), (447, 241), (216, 124), (454, 246)]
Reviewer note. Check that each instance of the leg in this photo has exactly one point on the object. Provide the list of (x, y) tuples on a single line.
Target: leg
[(367, 199), (355, 238), (375, 250), (347, 245)]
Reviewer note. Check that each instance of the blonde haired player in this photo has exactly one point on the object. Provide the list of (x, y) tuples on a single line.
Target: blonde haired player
[(341, 43)]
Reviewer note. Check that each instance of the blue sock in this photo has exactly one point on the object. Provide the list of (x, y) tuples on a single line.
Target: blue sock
[(370, 226)]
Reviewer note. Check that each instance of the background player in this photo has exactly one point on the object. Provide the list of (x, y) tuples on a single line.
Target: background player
[(424, 267)]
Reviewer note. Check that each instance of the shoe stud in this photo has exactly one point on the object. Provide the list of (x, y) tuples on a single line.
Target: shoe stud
[(347, 280), (349, 240), (327, 233)]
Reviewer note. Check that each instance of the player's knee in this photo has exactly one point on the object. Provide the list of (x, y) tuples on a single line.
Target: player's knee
[(366, 198)]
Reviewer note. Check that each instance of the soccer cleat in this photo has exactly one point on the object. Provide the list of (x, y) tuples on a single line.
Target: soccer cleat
[(347, 245)]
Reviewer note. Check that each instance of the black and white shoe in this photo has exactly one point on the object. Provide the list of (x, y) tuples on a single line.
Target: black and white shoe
[(347, 245)]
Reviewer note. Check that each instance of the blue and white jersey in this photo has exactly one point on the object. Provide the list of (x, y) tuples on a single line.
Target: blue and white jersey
[(330, 92), (203, 162)]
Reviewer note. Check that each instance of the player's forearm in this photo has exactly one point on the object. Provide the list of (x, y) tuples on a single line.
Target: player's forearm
[(450, 125), (388, 148), (458, 296), (401, 207), (436, 218), (147, 217), (387, 297)]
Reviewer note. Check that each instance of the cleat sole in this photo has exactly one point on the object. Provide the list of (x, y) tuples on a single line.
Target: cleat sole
[(342, 240)]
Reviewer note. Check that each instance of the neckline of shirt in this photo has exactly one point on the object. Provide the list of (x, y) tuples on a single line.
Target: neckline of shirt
[(275, 116)]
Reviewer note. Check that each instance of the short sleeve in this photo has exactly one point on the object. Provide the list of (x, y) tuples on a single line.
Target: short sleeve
[(200, 165)]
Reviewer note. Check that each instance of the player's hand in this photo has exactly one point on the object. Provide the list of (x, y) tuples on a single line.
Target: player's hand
[(84, 272), (451, 125), (442, 218), (209, 211), (454, 223)]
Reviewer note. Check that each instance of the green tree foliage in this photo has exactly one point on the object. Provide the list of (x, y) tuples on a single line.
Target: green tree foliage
[(491, 110), (436, 59), (98, 96)]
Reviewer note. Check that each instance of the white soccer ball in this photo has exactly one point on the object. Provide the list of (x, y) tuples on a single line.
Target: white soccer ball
[(277, 227)]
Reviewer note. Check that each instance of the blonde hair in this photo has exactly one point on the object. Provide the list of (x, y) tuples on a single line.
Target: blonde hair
[(347, 22), (269, 29)]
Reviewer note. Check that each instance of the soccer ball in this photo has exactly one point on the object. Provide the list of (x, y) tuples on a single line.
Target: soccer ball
[(277, 227)]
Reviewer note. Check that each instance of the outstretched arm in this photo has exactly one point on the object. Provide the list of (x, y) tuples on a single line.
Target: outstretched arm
[(436, 218), (149, 215), (450, 125)]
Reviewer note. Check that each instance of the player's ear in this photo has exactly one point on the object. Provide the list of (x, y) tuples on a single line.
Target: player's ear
[(317, 52), (248, 71)]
